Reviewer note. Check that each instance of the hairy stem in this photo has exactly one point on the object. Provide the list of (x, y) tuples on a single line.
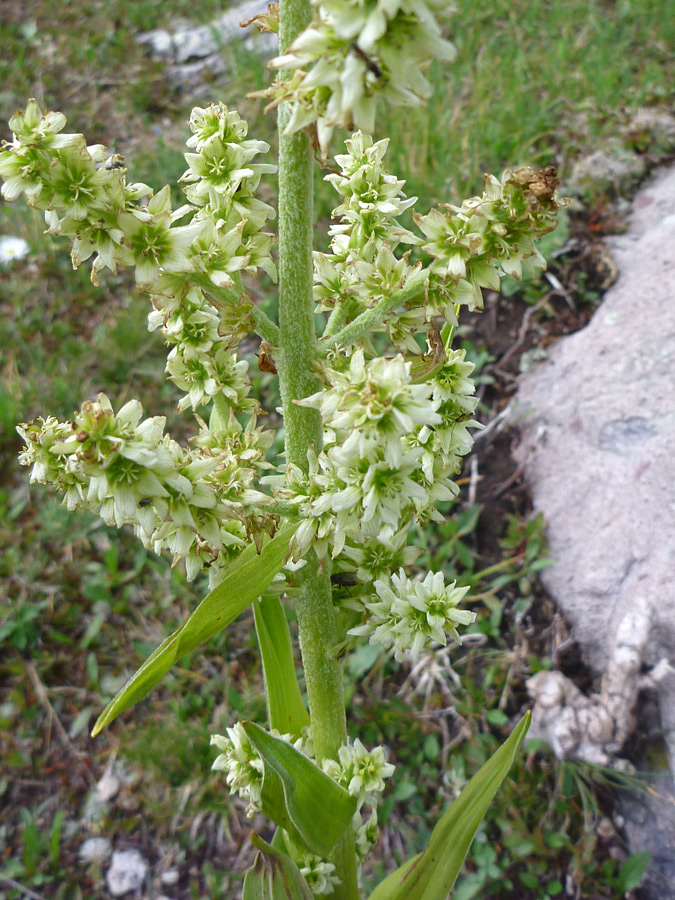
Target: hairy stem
[(364, 323), (297, 379), (264, 326), (337, 319)]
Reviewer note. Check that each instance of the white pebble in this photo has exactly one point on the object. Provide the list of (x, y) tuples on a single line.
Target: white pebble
[(95, 850), (127, 872)]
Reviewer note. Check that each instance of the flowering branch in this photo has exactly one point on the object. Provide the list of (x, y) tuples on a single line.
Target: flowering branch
[(378, 413), (366, 321)]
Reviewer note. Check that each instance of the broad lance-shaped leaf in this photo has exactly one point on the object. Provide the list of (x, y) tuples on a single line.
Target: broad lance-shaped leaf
[(287, 713), (273, 875), (298, 796), (246, 579), (431, 874)]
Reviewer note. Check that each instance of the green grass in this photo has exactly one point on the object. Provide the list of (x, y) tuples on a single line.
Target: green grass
[(534, 82), (82, 56)]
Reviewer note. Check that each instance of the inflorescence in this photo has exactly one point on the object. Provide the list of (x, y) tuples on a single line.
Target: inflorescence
[(396, 422)]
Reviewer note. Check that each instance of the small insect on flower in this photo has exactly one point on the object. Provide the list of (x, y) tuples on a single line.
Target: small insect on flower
[(370, 65), (115, 162)]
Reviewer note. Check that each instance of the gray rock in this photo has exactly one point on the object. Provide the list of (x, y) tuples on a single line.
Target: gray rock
[(597, 420), (614, 168), (649, 824), (128, 871), (192, 76), (189, 42), (95, 850), (195, 53)]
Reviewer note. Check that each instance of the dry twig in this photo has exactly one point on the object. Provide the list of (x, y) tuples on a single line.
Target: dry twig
[(45, 703)]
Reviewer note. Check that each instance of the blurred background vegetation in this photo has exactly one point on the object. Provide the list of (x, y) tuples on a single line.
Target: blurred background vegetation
[(535, 82)]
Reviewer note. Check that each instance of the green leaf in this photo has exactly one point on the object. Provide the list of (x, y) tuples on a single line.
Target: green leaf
[(496, 717), (299, 796), (273, 875), (633, 871), (245, 580), (529, 880), (287, 712), (431, 874)]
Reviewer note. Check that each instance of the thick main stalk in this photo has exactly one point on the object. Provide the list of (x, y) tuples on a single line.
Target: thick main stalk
[(297, 379)]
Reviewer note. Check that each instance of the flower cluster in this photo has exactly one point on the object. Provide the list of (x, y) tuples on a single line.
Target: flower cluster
[(354, 53), (452, 392), (474, 244), (373, 404), (193, 503), (391, 449), (363, 485), (409, 614), (396, 423), (361, 268), (361, 772), (242, 764), (191, 271)]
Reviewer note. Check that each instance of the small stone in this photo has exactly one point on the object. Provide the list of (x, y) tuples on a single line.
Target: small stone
[(653, 128), (159, 41), (95, 810), (107, 787), (127, 872), (95, 850), (614, 169), (605, 829), (170, 877)]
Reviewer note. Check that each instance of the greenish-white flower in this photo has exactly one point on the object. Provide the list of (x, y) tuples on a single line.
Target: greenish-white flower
[(203, 375), (372, 404), (360, 771), (216, 121), (33, 128), (407, 614), (152, 244), (376, 559), (242, 764), (355, 53), (366, 834), (78, 186), (220, 168), (318, 873)]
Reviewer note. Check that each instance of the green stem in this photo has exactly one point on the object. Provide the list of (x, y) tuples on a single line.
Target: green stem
[(278, 508), (362, 324), (303, 430), (336, 319), (264, 326)]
